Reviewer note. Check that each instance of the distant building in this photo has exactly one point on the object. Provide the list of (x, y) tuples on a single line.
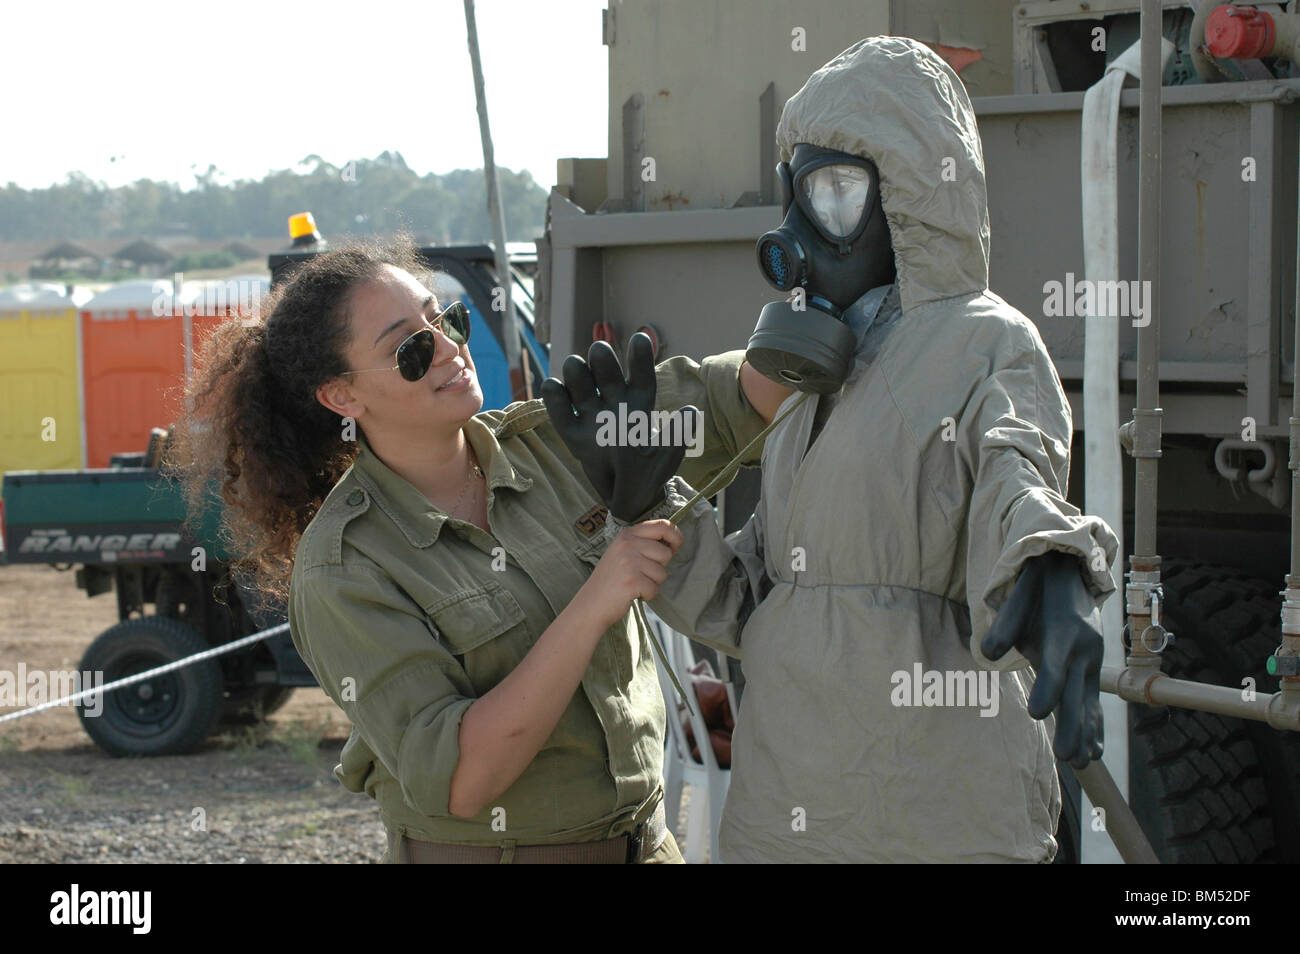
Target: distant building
[(144, 258), (65, 257)]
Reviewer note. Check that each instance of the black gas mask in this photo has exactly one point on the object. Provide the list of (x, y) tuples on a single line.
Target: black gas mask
[(834, 245)]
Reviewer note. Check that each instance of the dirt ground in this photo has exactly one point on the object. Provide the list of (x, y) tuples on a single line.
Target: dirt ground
[(266, 792)]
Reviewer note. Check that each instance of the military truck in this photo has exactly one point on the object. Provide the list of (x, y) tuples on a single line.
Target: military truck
[(663, 230)]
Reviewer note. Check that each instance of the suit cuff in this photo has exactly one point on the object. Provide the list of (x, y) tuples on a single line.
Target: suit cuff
[(672, 500)]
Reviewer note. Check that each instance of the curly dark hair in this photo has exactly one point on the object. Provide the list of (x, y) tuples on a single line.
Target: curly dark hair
[(253, 422)]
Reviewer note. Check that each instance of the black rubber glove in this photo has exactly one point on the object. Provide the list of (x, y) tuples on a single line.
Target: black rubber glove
[(1052, 619), (629, 479)]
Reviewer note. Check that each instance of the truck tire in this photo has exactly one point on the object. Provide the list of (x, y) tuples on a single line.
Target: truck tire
[(1208, 788), (167, 715), (250, 706)]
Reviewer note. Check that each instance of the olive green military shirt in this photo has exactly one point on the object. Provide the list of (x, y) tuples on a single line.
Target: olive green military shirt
[(406, 616)]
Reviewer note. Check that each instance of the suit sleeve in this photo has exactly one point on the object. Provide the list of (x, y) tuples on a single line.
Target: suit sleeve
[(1014, 440), (714, 582), (376, 655), (730, 421)]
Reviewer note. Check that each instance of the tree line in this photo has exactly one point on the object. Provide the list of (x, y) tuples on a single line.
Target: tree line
[(359, 198)]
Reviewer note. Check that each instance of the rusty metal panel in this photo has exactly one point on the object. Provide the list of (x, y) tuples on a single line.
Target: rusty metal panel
[(984, 27)]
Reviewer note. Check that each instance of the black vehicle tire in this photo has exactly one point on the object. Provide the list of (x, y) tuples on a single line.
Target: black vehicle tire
[(1208, 788), (167, 715), (250, 706)]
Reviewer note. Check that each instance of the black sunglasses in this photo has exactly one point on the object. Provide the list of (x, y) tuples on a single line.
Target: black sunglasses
[(415, 353)]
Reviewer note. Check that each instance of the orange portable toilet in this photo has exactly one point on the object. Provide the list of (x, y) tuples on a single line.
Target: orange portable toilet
[(133, 360), (210, 302)]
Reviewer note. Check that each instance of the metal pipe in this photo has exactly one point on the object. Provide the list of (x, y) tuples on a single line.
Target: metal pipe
[(1290, 684), (1281, 710), (1293, 459), (1121, 825), (1143, 592), (1147, 412), (1289, 689)]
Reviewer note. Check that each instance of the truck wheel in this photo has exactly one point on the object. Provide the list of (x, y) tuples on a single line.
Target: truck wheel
[(249, 706), (169, 714), (1206, 787)]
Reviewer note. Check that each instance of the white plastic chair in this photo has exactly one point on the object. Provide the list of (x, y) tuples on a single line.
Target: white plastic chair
[(709, 781)]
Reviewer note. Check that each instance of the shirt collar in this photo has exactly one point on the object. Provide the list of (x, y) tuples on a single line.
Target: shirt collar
[(418, 519)]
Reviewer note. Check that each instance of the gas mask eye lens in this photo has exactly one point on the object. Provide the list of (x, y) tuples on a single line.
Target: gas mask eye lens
[(836, 196)]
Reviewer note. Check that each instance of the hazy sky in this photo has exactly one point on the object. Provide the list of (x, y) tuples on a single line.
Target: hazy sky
[(145, 88)]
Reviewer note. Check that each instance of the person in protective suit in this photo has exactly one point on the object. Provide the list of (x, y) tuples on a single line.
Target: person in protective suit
[(912, 552)]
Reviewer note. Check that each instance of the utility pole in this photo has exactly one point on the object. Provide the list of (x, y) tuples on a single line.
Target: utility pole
[(515, 361)]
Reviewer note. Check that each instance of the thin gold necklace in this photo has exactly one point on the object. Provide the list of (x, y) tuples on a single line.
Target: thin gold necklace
[(475, 472)]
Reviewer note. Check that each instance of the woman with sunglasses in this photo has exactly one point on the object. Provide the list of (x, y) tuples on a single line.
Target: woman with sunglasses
[(444, 569)]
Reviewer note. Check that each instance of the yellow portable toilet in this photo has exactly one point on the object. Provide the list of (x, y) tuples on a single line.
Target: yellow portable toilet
[(40, 377)]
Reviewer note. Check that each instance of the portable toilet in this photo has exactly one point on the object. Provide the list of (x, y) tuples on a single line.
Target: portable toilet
[(209, 302), (133, 366), (40, 380)]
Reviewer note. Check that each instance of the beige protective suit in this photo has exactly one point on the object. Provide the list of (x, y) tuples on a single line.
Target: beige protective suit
[(858, 593)]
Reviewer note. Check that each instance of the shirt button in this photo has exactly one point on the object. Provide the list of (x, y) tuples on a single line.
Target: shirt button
[(356, 497)]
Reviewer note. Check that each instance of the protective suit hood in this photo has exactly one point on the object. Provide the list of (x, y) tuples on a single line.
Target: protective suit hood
[(898, 103)]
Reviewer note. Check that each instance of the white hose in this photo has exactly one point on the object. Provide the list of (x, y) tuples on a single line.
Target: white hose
[(1103, 482)]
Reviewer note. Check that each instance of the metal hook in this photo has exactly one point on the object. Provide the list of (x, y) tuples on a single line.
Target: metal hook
[(1167, 638)]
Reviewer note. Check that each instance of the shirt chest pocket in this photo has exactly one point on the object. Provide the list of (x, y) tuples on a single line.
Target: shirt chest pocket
[(471, 619)]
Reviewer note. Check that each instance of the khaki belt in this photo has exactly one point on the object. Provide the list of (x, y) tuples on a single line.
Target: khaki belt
[(625, 849)]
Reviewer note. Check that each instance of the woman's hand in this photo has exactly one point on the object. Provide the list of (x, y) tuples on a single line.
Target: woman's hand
[(632, 566), (502, 732)]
